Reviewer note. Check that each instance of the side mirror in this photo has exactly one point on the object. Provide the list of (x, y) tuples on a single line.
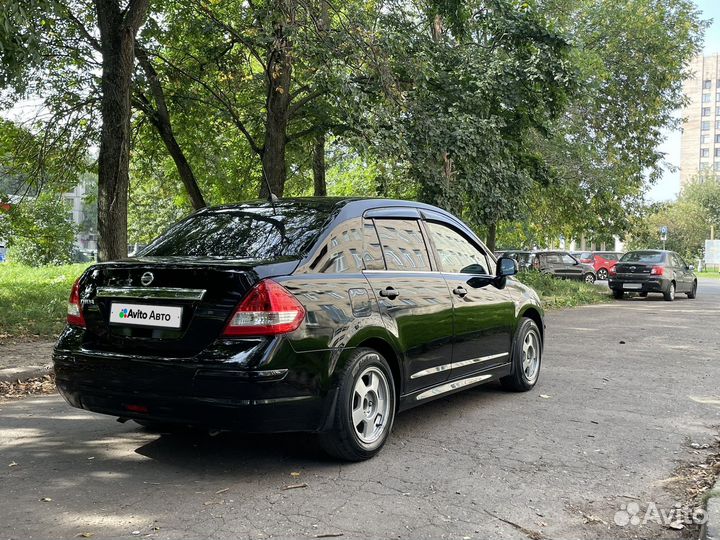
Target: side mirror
[(506, 267), (691, 267)]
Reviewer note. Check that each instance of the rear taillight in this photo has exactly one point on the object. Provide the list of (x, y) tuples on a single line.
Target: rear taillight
[(657, 271), (268, 309), (74, 310)]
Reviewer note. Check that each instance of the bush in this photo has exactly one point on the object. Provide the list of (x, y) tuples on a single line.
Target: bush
[(40, 233), (556, 293)]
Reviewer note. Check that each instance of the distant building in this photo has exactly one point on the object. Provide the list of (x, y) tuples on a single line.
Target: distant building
[(86, 238), (700, 146)]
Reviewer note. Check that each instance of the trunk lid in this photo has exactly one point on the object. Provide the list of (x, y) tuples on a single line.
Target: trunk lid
[(634, 269), (195, 296)]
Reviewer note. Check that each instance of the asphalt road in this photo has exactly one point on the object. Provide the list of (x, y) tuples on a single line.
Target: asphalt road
[(626, 388)]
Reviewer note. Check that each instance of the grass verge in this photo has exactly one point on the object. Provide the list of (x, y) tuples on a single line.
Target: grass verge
[(561, 293), (715, 275), (33, 301)]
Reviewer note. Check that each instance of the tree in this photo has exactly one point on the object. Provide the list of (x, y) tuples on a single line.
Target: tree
[(464, 101), (631, 58), (118, 28)]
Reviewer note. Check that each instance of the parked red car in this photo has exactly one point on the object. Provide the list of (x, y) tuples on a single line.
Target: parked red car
[(602, 261)]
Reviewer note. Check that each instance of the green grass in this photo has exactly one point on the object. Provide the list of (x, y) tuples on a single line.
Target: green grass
[(715, 275), (560, 293), (33, 301)]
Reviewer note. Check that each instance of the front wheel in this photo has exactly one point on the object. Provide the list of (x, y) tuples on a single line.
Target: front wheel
[(618, 294), (589, 278), (527, 357), (693, 293), (669, 294), (602, 274), (365, 408)]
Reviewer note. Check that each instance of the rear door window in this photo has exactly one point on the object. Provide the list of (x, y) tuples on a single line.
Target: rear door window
[(569, 260), (403, 245), (456, 253)]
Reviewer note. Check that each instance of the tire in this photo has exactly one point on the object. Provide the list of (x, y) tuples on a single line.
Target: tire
[(618, 294), (643, 295), (366, 391), (693, 293), (525, 370), (669, 295), (589, 278), (602, 274)]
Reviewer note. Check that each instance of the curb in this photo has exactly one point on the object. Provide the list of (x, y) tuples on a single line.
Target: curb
[(23, 373), (711, 529)]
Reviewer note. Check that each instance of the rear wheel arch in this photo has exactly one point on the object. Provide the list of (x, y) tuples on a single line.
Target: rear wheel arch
[(392, 358)]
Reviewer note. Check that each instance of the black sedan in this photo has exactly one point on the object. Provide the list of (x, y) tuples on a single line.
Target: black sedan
[(319, 315), (653, 271)]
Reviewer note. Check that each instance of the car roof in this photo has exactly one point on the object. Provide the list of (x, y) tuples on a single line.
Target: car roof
[(327, 202), (343, 208)]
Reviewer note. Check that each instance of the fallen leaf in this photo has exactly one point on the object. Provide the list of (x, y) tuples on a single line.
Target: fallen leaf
[(223, 490), (544, 396), (85, 535), (295, 474), (13, 464), (677, 525), (46, 499), (295, 486)]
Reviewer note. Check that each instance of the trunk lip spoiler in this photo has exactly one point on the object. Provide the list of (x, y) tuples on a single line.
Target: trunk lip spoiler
[(151, 293)]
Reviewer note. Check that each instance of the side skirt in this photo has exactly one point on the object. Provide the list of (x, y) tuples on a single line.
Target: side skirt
[(453, 386)]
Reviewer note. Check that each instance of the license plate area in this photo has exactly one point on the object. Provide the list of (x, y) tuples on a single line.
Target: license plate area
[(145, 315), (632, 286)]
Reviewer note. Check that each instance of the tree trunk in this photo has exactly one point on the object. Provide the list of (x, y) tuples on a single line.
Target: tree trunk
[(278, 78), (117, 44), (160, 119), (492, 233), (319, 166)]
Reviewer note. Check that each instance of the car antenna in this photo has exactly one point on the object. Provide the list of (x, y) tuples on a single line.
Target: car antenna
[(272, 198)]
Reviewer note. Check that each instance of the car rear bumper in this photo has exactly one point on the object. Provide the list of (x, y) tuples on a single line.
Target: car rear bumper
[(220, 397), (639, 285)]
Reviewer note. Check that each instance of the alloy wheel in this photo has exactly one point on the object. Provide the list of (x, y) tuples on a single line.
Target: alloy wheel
[(370, 405), (531, 355)]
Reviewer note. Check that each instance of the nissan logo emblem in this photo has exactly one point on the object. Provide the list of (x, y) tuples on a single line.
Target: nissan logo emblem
[(147, 278)]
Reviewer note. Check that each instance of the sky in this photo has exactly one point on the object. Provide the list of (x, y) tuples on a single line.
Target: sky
[(668, 186)]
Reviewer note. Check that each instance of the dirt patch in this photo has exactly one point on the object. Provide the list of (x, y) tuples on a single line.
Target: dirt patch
[(14, 354)]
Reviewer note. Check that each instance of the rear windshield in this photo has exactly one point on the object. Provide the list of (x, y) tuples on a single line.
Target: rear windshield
[(249, 233), (643, 257)]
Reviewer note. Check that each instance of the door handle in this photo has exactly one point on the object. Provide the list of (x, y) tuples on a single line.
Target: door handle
[(460, 291), (389, 293)]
